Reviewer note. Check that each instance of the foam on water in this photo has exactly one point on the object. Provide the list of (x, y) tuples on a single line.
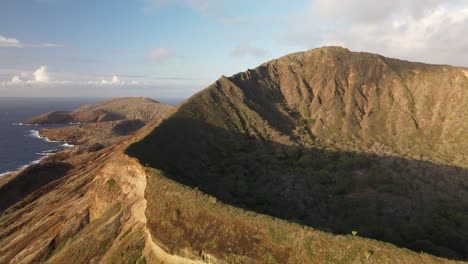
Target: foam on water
[(19, 144), (6, 173), (34, 133)]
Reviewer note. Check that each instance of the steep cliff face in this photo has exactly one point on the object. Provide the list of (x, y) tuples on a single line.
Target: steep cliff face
[(337, 98), (333, 139), (93, 212)]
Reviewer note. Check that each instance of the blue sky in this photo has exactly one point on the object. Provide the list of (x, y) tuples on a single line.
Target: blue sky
[(174, 48)]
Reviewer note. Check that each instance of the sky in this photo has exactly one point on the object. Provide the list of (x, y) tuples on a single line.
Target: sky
[(175, 48)]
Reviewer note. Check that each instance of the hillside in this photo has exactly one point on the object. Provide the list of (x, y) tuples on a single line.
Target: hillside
[(260, 167), (130, 108), (332, 139), (102, 206), (102, 134)]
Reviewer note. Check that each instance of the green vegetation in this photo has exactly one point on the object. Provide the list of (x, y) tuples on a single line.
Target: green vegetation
[(330, 190), (307, 139), (98, 236), (130, 247), (235, 235), (112, 186)]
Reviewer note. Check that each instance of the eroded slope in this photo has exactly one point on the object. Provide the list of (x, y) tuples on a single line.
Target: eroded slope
[(332, 139)]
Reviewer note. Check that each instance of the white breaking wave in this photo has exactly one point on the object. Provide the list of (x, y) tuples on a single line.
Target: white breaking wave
[(43, 154), (48, 140), (34, 133), (5, 173), (33, 162), (48, 152)]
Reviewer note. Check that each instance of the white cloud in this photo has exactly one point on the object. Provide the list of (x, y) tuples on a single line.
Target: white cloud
[(6, 42), (16, 80), (424, 30), (10, 42), (245, 49), (41, 75), (375, 11), (159, 54), (114, 81)]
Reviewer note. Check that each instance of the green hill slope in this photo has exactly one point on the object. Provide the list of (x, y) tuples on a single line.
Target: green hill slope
[(332, 139)]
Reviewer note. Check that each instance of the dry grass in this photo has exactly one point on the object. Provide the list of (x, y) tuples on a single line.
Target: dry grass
[(182, 219)]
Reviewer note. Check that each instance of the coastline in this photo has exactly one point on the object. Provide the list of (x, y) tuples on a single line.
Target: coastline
[(44, 154)]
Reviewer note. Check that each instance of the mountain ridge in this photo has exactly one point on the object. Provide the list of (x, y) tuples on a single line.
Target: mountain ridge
[(352, 130), (238, 174), (365, 98)]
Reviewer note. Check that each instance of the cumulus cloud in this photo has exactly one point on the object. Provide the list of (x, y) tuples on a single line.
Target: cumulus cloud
[(245, 49), (431, 30), (114, 81), (10, 42), (375, 11), (41, 75), (42, 78), (16, 80), (159, 54)]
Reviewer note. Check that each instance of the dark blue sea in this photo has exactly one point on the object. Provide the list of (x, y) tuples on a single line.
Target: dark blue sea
[(20, 145)]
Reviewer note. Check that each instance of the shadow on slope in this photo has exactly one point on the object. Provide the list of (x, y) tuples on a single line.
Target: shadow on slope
[(415, 204), (30, 180)]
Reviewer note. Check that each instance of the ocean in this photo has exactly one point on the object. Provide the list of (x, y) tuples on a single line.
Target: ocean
[(20, 145)]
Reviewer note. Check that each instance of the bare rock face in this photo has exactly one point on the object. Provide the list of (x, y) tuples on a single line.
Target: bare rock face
[(332, 139), (130, 108)]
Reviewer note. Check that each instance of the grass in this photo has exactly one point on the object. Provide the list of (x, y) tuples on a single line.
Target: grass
[(95, 239), (227, 232), (249, 149), (112, 186)]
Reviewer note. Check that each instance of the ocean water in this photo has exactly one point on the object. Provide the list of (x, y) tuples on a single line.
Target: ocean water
[(20, 145)]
